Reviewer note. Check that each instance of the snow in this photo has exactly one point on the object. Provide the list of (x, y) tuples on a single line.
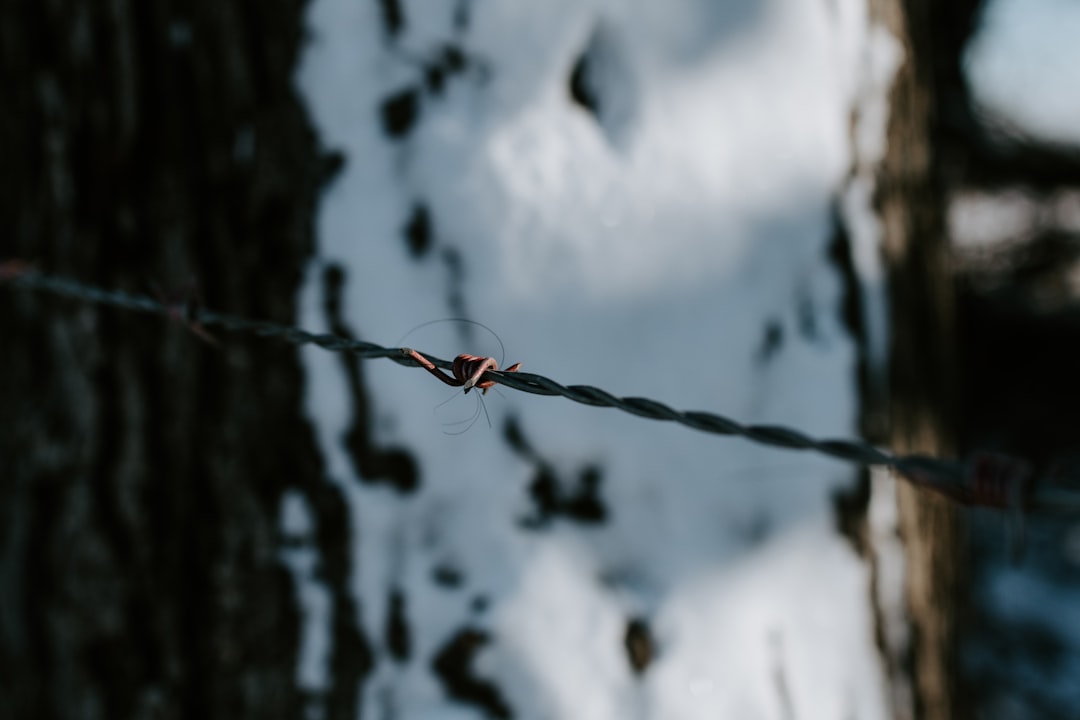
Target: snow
[(1024, 67), (297, 526), (984, 221), (738, 630), (888, 548), (675, 249), (881, 58)]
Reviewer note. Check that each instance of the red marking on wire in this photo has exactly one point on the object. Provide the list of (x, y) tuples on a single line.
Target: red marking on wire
[(987, 479), (996, 480)]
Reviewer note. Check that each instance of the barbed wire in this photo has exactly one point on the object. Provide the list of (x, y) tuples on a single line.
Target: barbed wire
[(985, 479)]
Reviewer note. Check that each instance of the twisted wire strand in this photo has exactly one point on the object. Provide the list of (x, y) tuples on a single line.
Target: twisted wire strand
[(947, 477)]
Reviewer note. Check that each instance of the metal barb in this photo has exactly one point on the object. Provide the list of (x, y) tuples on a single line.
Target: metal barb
[(964, 483)]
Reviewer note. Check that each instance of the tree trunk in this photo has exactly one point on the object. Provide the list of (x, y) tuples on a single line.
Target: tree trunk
[(922, 362), (147, 144)]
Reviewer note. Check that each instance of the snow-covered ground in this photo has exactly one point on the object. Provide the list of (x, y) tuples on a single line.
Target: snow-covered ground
[(671, 243)]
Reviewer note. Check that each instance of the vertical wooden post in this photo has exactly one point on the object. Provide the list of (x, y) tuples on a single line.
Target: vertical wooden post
[(921, 389)]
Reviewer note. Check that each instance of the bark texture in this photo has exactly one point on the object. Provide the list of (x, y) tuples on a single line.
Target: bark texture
[(983, 353), (921, 405), (147, 143)]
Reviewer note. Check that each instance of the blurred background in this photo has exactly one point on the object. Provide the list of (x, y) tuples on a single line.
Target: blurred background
[(857, 218)]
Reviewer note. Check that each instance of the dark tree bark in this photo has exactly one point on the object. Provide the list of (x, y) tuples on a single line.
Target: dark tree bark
[(146, 143), (978, 360), (921, 399)]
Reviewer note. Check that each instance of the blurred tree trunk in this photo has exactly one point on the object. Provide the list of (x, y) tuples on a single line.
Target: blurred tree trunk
[(982, 355), (921, 405), (147, 143)]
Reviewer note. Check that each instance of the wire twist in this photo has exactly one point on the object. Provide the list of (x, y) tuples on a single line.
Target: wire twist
[(986, 480)]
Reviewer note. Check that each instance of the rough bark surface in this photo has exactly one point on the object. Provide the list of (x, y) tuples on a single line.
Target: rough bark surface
[(921, 399), (147, 143)]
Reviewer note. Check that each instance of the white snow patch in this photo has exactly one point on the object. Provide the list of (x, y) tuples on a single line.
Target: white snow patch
[(652, 267), (882, 56), (735, 642), (301, 557), (985, 221), (1024, 66), (890, 595)]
